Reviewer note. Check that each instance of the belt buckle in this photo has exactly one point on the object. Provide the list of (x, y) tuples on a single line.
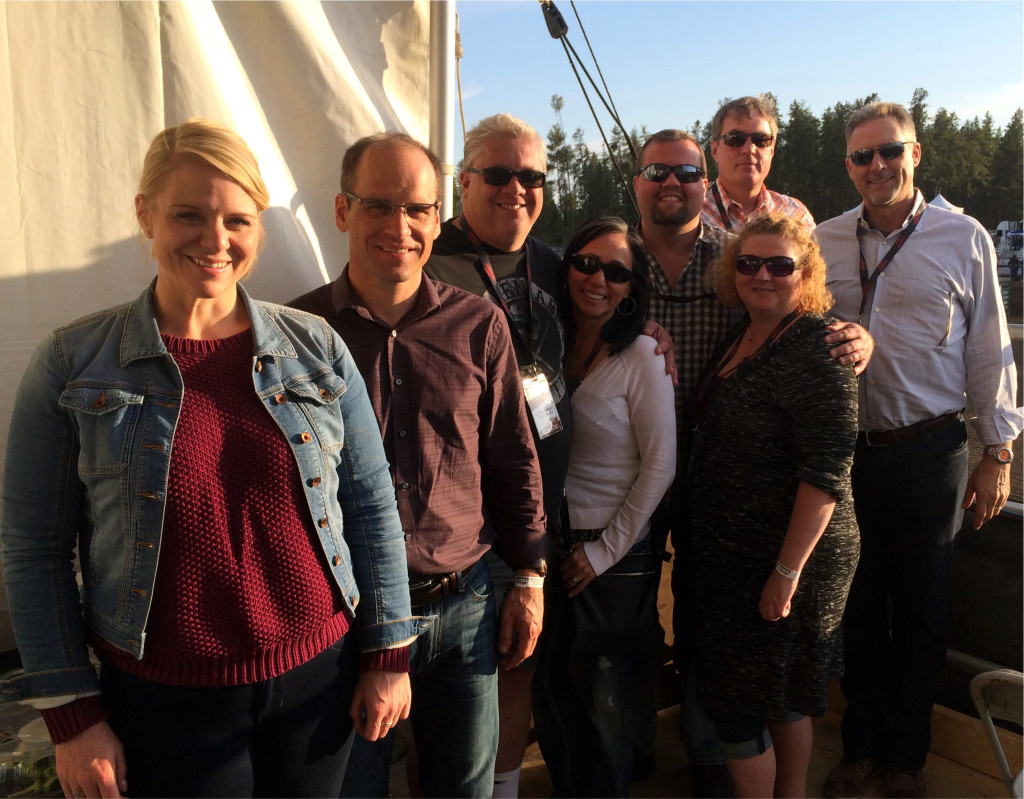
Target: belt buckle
[(867, 438)]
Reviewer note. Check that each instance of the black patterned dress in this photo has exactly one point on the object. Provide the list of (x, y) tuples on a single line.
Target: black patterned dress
[(787, 415)]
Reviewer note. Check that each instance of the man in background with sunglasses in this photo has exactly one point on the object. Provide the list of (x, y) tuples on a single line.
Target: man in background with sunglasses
[(923, 280), (670, 183), (442, 377), (743, 137)]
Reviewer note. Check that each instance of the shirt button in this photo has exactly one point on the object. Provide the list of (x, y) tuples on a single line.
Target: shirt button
[(315, 482), (398, 381), (306, 437), (407, 536), (405, 486), (402, 434), (336, 560), (878, 310), (280, 399), (394, 334), (322, 522)]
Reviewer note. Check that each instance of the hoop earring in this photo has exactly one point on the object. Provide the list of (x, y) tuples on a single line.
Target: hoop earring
[(632, 307)]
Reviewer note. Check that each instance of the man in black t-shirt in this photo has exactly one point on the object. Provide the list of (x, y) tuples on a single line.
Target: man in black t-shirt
[(502, 194)]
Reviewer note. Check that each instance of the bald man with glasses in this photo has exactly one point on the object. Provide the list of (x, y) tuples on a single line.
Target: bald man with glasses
[(744, 133)]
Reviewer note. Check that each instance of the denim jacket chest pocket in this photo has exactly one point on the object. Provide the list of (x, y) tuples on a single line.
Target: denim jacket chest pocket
[(106, 418), (316, 396)]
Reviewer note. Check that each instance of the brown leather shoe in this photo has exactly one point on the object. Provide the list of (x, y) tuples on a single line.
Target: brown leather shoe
[(900, 784), (850, 777)]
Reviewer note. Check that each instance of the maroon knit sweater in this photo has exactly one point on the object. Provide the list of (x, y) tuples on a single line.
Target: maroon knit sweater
[(242, 594)]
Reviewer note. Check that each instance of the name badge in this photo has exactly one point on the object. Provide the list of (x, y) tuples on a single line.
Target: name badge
[(540, 401)]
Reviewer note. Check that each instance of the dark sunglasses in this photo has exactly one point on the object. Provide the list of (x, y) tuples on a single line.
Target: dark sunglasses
[(685, 173), (777, 265), (589, 265), (893, 149), (737, 138), (502, 175)]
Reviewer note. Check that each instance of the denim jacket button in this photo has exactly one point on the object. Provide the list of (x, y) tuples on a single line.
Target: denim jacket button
[(336, 560), (325, 394), (322, 522), (259, 366), (100, 401), (314, 482), (280, 399), (306, 437)]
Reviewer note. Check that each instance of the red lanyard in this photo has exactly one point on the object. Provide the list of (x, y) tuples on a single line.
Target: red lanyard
[(492, 280), (866, 283)]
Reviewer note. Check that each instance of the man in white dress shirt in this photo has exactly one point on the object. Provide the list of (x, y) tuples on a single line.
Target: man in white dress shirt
[(923, 281)]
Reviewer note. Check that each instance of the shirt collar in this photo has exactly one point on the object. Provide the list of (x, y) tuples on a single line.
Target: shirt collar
[(864, 225), (344, 296)]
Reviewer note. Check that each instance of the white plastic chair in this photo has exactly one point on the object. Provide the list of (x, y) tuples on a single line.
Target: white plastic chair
[(1000, 694)]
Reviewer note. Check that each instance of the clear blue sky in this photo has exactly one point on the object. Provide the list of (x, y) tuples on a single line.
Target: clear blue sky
[(669, 63)]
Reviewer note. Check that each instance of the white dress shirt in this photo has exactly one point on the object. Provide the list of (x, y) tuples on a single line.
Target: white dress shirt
[(937, 318)]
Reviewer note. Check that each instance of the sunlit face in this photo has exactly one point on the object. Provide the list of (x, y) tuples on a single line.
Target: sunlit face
[(502, 216), (205, 231), (883, 183), (743, 169), (670, 203), (594, 297), (764, 296), (389, 251)]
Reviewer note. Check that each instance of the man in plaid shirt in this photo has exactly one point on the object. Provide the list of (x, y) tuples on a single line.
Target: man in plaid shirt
[(670, 183), (744, 133)]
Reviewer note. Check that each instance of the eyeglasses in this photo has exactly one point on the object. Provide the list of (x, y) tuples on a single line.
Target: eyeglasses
[(380, 210), (893, 149), (589, 265), (685, 173), (502, 176), (737, 138), (777, 265)]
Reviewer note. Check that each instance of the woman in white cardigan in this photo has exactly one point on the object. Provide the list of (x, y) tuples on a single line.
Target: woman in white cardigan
[(596, 679)]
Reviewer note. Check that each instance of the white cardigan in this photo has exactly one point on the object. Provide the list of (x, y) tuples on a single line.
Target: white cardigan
[(623, 455)]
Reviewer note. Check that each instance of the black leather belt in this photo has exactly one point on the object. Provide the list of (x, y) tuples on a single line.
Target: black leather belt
[(423, 592), (904, 435)]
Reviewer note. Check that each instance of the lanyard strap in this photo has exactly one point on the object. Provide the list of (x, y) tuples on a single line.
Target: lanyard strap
[(867, 283), (492, 282), (721, 207)]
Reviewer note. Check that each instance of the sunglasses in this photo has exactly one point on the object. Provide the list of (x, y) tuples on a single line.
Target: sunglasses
[(893, 149), (777, 265), (501, 176), (589, 265), (380, 210), (685, 173), (737, 138)]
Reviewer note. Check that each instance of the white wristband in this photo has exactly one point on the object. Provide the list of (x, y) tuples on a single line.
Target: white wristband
[(529, 582), (785, 571)]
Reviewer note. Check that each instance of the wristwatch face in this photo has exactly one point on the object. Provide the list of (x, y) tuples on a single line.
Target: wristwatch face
[(1001, 454), (541, 566)]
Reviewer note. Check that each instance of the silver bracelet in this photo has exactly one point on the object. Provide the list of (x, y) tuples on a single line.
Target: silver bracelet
[(785, 571), (529, 582)]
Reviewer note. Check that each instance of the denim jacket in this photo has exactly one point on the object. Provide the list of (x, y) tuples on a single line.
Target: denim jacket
[(87, 466)]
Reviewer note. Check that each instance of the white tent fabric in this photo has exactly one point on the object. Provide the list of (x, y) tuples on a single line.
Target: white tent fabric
[(84, 86), (941, 202)]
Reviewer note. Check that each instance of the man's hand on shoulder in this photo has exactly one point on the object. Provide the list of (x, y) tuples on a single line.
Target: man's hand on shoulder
[(665, 347), (854, 345)]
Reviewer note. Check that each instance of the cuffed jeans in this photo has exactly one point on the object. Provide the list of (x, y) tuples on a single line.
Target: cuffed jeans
[(907, 498), (453, 667)]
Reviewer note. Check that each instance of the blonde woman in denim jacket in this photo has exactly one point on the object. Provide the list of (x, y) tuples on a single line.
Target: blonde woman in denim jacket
[(216, 464)]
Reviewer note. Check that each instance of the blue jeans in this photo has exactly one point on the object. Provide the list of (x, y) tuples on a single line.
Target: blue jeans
[(454, 700), (287, 736), (907, 498)]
